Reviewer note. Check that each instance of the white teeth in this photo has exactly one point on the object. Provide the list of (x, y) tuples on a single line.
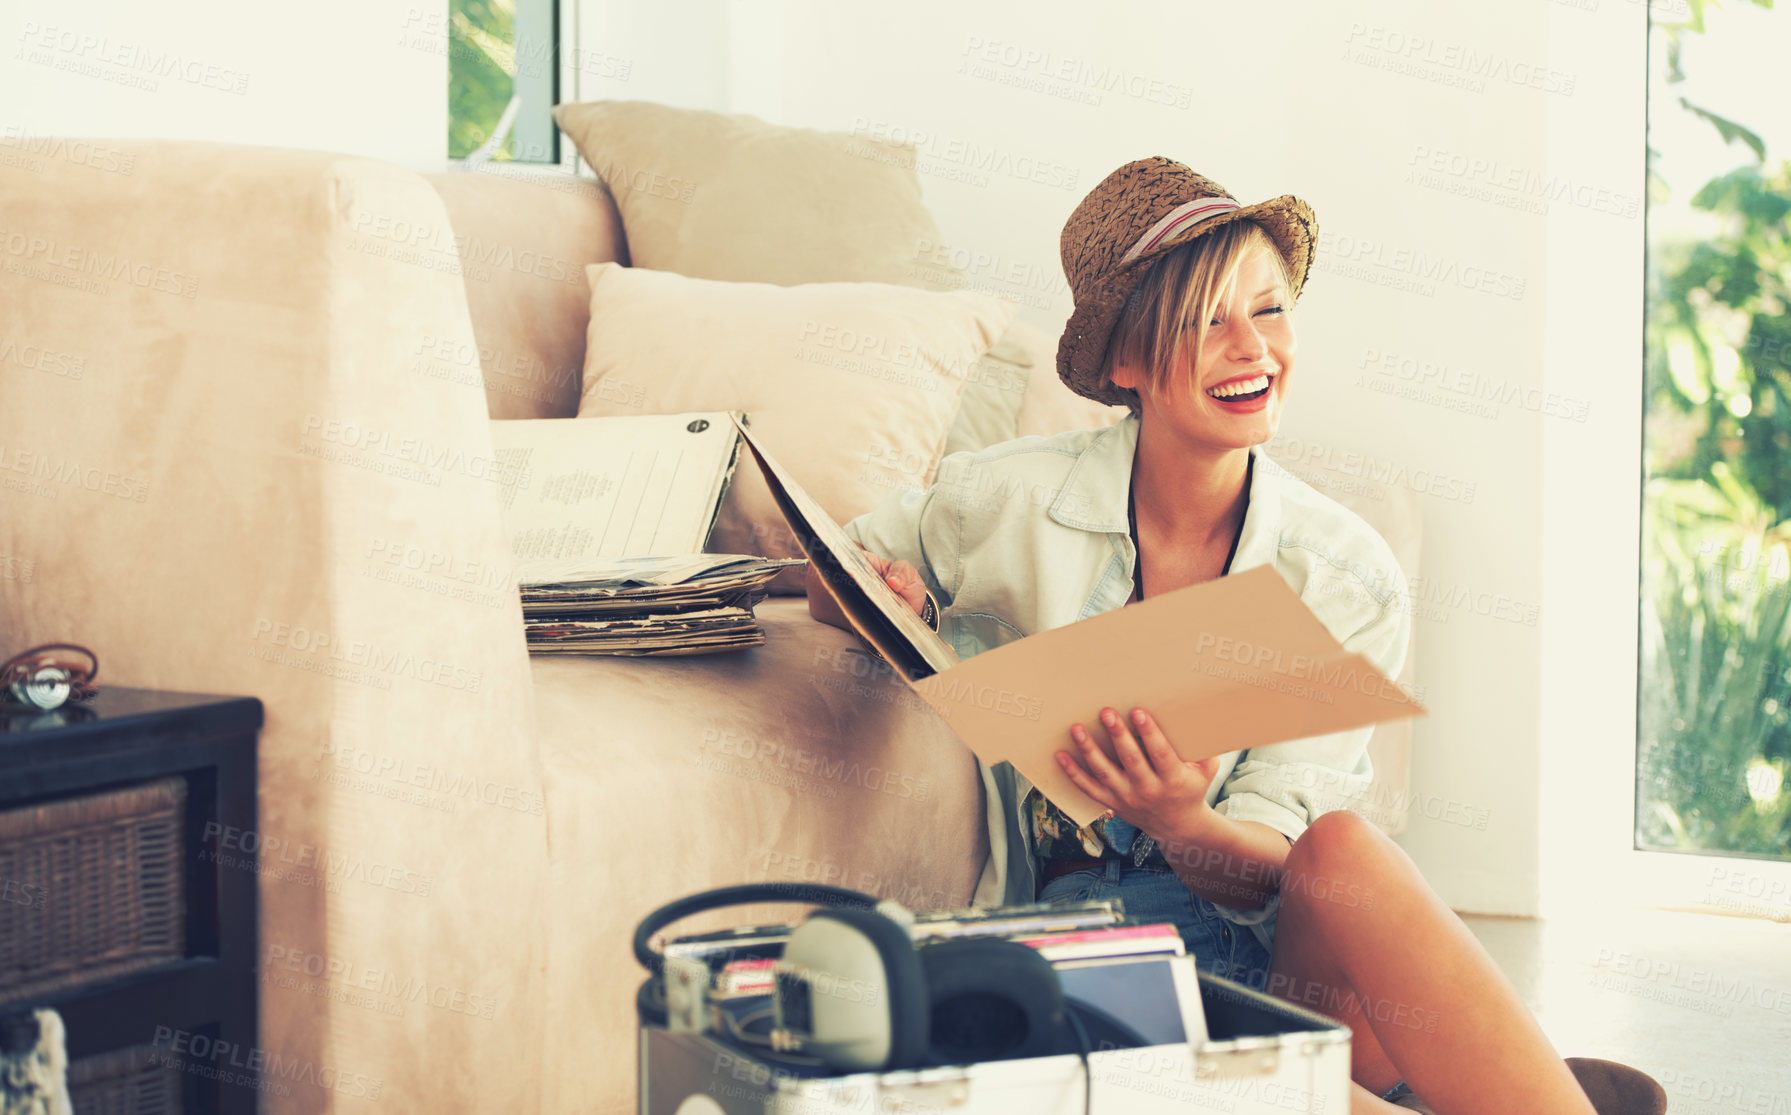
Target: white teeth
[(1241, 387)]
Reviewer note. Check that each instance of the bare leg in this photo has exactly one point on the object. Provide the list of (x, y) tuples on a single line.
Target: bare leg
[(1362, 938)]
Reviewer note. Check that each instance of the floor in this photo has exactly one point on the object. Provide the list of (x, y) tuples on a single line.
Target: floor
[(1700, 1001)]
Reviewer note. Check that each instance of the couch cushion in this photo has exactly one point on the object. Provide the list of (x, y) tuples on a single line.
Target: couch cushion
[(801, 760), (850, 385), (523, 240)]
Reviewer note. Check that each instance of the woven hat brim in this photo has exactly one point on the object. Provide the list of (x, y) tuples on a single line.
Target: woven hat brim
[(1083, 347)]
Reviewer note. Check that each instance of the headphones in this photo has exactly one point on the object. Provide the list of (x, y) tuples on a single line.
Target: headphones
[(853, 992), (49, 676)]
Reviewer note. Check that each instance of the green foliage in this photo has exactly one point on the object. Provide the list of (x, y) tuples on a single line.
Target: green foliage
[(1716, 663), (1719, 347), (481, 73), (1715, 748)]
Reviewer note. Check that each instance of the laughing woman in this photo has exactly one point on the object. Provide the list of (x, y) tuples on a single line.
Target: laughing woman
[(1182, 314)]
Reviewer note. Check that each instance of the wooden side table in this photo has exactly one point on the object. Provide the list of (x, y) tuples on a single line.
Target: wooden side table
[(115, 909)]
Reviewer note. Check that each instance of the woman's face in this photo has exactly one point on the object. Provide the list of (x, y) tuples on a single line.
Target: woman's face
[(1230, 396)]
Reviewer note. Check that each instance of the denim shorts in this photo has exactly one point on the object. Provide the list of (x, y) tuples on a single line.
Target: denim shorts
[(1153, 893)]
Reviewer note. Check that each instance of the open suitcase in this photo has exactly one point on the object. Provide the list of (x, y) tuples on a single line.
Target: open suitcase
[(1258, 1056)]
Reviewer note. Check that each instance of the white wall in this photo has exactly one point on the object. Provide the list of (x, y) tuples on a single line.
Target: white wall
[(369, 77), (1403, 123), (1411, 129)]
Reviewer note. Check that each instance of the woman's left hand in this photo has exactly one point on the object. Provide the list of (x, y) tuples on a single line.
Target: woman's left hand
[(1150, 786)]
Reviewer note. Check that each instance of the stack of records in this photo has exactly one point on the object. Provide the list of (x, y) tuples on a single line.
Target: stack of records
[(681, 604)]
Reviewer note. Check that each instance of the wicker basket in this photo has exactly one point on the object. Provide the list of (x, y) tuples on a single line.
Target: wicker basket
[(91, 887), (141, 1080)]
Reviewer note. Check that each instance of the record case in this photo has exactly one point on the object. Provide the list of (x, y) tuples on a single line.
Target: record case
[(1250, 1053), (1263, 1056)]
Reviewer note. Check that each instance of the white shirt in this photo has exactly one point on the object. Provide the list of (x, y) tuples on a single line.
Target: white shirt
[(1032, 534)]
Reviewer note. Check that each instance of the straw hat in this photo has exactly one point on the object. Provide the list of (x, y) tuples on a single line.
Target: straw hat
[(1136, 214)]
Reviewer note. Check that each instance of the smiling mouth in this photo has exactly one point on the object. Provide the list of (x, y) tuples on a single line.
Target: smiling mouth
[(1242, 390)]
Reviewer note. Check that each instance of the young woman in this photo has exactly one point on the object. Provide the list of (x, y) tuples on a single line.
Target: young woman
[(1181, 313)]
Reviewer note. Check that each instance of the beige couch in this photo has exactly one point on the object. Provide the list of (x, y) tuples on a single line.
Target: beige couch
[(244, 448)]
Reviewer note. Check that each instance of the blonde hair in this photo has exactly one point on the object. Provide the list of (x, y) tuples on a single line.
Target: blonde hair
[(1185, 284)]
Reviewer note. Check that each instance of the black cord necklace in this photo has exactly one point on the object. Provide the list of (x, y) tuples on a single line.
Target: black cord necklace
[(1138, 550)]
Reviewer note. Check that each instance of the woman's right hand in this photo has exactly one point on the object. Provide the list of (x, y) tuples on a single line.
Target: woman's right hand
[(900, 576)]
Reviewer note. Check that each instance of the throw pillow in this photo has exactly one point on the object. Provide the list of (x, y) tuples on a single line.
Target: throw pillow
[(729, 196), (851, 386)]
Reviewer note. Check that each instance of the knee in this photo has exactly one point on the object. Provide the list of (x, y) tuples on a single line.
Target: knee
[(1336, 848)]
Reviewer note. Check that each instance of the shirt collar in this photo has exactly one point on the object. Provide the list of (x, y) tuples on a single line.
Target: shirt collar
[(1095, 494)]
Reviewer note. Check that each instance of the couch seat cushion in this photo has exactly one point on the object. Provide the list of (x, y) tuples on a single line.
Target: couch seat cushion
[(803, 760)]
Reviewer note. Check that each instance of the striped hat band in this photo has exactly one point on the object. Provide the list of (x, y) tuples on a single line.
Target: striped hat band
[(1176, 220)]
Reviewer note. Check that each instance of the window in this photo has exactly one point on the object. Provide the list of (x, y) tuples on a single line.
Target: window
[(503, 80), (1714, 715)]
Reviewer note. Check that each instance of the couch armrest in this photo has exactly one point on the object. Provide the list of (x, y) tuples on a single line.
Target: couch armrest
[(222, 470)]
